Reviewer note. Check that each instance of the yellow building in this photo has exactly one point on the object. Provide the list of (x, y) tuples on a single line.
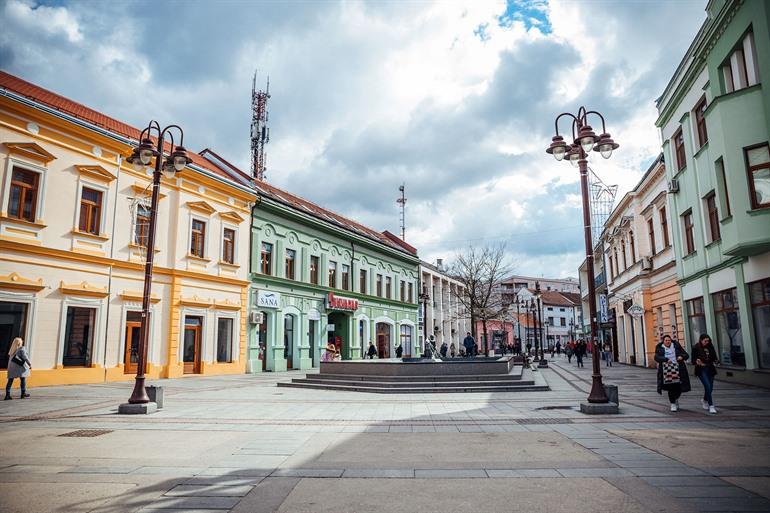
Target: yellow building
[(73, 221)]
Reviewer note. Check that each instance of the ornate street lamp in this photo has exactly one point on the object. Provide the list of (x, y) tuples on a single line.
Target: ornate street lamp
[(424, 297), (168, 161), (584, 140)]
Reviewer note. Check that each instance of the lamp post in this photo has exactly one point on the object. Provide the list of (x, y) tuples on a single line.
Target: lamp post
[(424, 297), (518, 322), (584, 140), (175, 160)]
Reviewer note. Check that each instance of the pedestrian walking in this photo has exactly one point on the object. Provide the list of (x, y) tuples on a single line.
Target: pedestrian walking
[(580, 351), (18, 367), (399, 351), (705, 357), (469, 344), (607, 353), (558, 348), (444, 349), (452, 350), (672, 371), (569, 352)]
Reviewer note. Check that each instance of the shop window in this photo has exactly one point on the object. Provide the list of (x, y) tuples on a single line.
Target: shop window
[(266, 259), (379, 285), (142, 225), (759, 292), (758, 168), (291, 259), (729, 334), (314, 270), (198, 238), (362, 281), (13, 323), (90, 210), (713, 216), (332, 274), (651, 235), (389, 287), (79, 336), (22, 200), (679, 150), (696, 318), (664, 226), (689, 232), (224, 340), (228, 245), (700, 122), (345, 277)]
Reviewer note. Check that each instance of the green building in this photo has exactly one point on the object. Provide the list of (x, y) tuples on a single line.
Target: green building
[(317, 278), (713, 119)]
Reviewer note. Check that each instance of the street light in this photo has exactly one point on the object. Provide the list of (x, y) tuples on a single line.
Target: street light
[(519, 302), (585, 140), (175, 160), (424, 297), (542, 362)]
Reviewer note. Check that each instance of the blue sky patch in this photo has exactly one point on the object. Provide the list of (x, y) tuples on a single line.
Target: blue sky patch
[(531, 12)]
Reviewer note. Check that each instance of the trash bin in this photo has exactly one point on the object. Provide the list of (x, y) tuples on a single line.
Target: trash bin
[(612, 393), (155, 394)]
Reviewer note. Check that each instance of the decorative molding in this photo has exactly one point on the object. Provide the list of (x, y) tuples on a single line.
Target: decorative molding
[(195, 300), (97, 173), (201, 206), (37, 224), (83, 289), (232, 216), (227, 305), (16, 282), (102, 237), (30, 150), (136, 295), (192, 257)]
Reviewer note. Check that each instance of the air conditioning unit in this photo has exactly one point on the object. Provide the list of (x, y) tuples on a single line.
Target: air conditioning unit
[(647, 263), (256, 317), (673, 186)]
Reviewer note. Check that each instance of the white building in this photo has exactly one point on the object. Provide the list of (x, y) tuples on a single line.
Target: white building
[(441, 310)]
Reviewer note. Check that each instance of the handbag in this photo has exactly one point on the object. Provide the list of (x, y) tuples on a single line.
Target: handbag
[(671, 373), (18, 361)]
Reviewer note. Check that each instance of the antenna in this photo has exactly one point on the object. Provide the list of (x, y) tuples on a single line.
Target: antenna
[(260, 133), (402, 205)]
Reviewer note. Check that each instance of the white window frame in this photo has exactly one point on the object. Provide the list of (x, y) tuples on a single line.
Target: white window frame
[(97, 350), (30, 299), (234, 353), (206, 250), (236, 260), (193, 312), (103, 228), (135, 307), (10, 163)]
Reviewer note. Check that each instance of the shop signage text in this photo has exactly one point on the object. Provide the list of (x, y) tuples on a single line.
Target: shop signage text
[(268, 299), (340, 303), (635, 311)]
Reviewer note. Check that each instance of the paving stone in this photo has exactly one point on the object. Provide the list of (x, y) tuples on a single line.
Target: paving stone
[(665, 471), (101, 470), (528, 472), (684, 481), (732, 504), (706, 491), (188, 503), (376, 473), (237, 471), (177, 471), (594, 472), (449, 473), (191, 490), (36, 469), (306, 472), (738, 471), (224, 480)]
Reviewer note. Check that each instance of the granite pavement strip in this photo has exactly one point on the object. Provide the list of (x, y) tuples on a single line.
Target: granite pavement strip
[(241, 444)]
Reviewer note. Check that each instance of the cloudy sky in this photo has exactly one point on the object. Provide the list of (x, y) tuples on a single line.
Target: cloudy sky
[(454, 99)]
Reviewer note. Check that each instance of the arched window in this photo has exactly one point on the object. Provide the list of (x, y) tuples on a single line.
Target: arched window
[(406, 339)]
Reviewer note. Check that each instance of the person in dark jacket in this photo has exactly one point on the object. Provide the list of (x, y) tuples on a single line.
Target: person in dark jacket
[(671, 350), (372, 352), (705, 358), (469, 344), (399, 351), (18, 367), (444, 349), (580, 352)]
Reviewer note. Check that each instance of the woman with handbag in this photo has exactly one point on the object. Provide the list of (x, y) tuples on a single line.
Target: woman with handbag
[(17, 368), (672, 371), (705, 357)]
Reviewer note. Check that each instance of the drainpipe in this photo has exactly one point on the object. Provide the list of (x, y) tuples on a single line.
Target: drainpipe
[(109, 277)]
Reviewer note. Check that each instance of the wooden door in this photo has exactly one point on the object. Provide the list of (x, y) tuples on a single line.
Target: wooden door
[(131, 351), (263, 341), (383, 340), (191, 354)]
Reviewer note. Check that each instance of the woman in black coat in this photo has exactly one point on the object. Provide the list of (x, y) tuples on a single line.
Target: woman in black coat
[(704, 356), (667, 350)]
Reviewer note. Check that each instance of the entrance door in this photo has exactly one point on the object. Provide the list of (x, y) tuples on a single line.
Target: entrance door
[(311, 334), (340, 336), (288, 340), (133, 336), (191, 352), (363, 337), (13, 322), (383, 340), (262, 333)]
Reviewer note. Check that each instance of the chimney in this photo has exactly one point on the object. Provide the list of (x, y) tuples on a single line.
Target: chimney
[(440, 263)]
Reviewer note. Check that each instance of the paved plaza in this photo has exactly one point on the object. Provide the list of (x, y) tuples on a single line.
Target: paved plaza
[(242, 444)]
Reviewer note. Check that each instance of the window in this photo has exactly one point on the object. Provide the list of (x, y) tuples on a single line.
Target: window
[(758, 168), (332, 274), (22, 202), (679, 150), (713, 216), (288, 339), (314, 270), (13, 323), (623, 250), (689, 232), (729, 335), (406, 339), (696, 318), (224, 340), (612, 273), (759, 292), (90, 210), (563, 321), (346, 277), (198, 238), (291, 258), (664, 226), (79, 336), (700, 122), (740, 70), (228, 245), (616, 261), (651, 235), (266, 259), (362, 281), (402, 291), (379, 285), (722, 177), (388, 287), (142, 225), (411, 292), (632, 243)]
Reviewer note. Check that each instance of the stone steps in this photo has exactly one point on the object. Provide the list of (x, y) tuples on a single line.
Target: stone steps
[(430, 388), (414, 383)]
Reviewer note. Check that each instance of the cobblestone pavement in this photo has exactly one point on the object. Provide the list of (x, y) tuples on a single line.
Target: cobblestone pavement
[(241, 444)]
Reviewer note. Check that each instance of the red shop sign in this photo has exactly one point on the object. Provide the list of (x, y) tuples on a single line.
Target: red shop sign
[(340, 303)]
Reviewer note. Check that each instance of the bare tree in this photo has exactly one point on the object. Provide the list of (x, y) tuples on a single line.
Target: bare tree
[(480, 270)]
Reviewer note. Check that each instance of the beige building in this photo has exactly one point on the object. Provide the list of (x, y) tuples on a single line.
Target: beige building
[(73, 227), (445, 316)]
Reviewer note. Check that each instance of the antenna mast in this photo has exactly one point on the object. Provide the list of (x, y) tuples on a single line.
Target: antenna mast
[(260, 133), (402, 205)]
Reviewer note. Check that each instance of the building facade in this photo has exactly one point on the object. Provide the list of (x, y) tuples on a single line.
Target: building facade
[(511, 286), (73, 236), (713, 120), (319, 278), (443, 312), (642, 289), (605, 323)]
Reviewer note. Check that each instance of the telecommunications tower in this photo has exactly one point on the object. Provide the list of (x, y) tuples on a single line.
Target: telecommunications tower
[(402, 205), (260, 133)]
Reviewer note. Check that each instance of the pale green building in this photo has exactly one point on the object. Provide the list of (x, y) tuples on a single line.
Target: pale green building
[(713, 119)]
